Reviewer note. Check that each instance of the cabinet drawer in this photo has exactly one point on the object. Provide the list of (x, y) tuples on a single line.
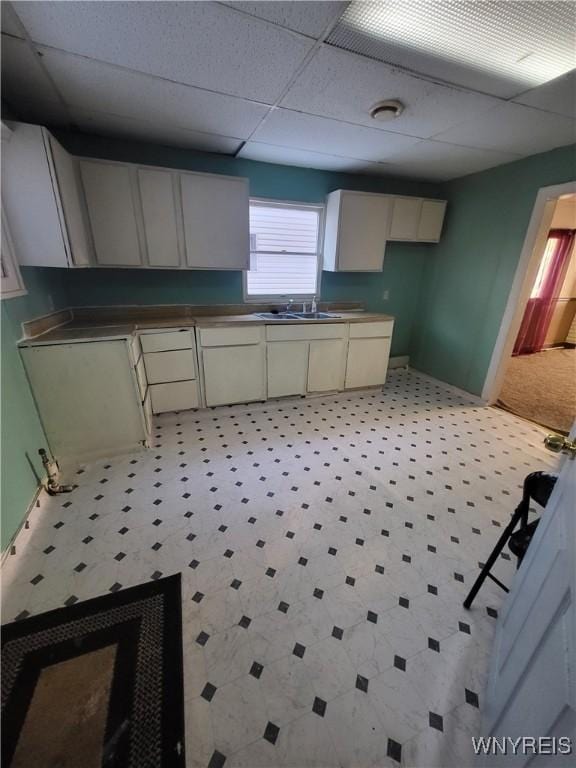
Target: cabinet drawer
[(163, 342), (141, 376), (176, 396), (369, 330), (231, 337), (163, 367), (304, 331)]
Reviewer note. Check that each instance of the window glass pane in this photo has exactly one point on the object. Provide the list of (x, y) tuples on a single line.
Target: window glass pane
[(283, 228), (283, 250)]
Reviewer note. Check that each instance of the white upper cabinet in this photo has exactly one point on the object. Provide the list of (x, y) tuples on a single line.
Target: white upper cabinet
[(159, 214), (110, 193), (356, 231), (405, 218), (43, 201), (431, 220), (417, 220), (215, 210)]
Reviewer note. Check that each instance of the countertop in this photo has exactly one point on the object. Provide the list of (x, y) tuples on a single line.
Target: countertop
[(82, 329)]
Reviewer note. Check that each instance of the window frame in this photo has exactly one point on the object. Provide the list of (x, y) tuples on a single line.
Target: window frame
[(283, 298)]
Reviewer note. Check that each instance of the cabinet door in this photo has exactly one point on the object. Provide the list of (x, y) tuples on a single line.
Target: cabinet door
[(234, 374), (68, 186), (112, 214), (287, 366), (362, 232), (87, 397), (29, 200), (367, 362), (405, 218), (159, 214), (431, 220), (216, 221), (326, 365)]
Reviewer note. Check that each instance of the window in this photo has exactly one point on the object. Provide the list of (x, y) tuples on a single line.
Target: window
[(284, 249)]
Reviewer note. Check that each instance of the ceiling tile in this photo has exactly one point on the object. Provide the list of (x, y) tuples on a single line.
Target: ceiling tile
[(344, 86), (514, 128), (92, 85), (156, 133), (198, 43), (25, 85), (558, 96), (501, 48), (285, 128), (308, 18), (436, 161), (269, 153), (11, 24)]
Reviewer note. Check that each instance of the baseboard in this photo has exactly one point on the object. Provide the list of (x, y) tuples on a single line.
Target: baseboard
[(400, 361)]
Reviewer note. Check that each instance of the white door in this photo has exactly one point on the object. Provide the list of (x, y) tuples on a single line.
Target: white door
[(326, 365), (532, 684), (216, 221), (367, 362), (159, 215), (234, 374), (112, 214), (362, 233), (287, 368)]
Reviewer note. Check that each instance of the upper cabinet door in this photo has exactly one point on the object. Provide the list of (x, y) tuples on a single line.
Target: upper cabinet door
[(431, 220), (405, 218), (216, 221), (356, 230), (29, 199), (159, 215), (111, 209), (65, 168)]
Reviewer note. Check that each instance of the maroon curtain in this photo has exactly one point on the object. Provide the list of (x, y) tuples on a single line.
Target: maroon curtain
[(538, 312)]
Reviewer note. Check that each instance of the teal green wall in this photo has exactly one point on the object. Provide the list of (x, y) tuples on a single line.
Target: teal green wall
[(403, 263), (466, 283), (21, 431), (448, 299)]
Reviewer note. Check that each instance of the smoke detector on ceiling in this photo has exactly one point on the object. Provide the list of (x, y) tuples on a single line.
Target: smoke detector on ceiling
[(386, 110)]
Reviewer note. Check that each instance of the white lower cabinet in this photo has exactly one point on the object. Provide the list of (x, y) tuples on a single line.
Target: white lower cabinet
[(326, 365), (174, 396), (88, 398), (287, 368), (367, 362), (368, 354), (234, 374)]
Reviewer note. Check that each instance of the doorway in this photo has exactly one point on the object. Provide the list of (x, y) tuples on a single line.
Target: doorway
[(537, 376)]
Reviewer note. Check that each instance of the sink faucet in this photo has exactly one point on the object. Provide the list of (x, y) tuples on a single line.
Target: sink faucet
[(288, 307), (313, 306)]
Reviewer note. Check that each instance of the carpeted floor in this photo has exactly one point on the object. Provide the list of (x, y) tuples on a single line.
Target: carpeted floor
[(542, 388)]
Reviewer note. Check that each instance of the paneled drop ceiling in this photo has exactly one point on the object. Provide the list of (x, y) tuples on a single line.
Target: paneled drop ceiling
[(293, 82)]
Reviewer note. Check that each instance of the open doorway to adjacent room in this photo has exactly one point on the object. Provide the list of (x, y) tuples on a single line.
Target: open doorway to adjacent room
[(539, 375)]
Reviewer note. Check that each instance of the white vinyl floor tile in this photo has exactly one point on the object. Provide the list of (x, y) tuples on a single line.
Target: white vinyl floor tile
[(325, 546)]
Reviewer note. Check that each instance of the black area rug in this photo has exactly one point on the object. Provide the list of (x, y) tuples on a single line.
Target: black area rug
[(98, 684)]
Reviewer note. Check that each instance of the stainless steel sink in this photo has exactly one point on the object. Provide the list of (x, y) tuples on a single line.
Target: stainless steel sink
[(276, 315), (314, 315)]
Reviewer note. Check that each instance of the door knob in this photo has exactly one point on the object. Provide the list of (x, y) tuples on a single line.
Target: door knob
[(561, 444)]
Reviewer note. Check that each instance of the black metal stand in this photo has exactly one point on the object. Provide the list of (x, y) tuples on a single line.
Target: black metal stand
[(537, 486)]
